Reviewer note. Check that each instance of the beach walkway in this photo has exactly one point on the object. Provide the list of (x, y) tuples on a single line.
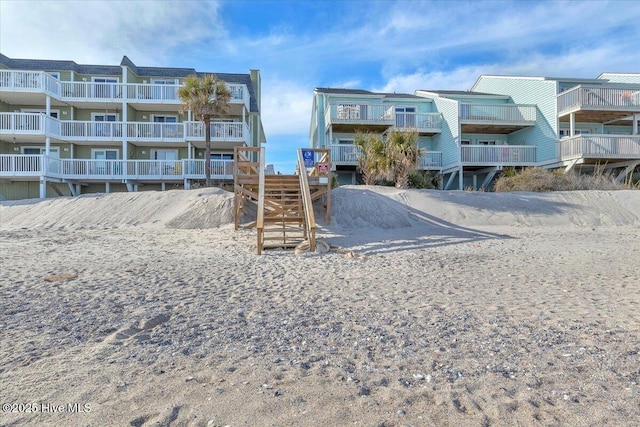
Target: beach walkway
[(284, 203)]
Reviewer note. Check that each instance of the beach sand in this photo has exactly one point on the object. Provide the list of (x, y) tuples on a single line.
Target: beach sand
[(454, 309)]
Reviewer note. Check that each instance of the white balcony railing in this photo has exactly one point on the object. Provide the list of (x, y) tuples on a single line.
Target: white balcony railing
[(220, 132), (353, 113), (155, 132), (600, 147), (91, 91), (347, 155), (22, 123), (29, 81), (498, 154), (220, 169), (16, 165), (598, 98), (40, 81), (92, 169), (430, 159), (497, 112), (76, 130), (419, 121), (90, 131), (153, 93), (344, 154)]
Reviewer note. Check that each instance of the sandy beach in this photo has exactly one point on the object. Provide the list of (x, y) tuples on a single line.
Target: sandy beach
[(443, 309)]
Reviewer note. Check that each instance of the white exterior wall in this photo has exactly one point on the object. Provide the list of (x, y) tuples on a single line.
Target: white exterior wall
[(542, 93)]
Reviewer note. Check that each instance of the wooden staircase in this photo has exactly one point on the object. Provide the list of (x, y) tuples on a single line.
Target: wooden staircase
[(285, 216)]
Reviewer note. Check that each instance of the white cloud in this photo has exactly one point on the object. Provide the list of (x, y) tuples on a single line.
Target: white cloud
[(102, 32), (286, 107)]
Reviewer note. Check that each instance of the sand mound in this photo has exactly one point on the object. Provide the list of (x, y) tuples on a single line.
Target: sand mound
[(206, 208), (391, 208)]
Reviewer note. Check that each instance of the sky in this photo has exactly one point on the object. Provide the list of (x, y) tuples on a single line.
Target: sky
[(385, 46)]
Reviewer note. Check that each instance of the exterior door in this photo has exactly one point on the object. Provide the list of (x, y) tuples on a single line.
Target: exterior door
[(104, 163), (103, 87)]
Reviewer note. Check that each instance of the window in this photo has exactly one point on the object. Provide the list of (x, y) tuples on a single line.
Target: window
[(160, 92), (165, 155), (487, 142), (465, 142), (405, 117), (221, 156), (54, 74)]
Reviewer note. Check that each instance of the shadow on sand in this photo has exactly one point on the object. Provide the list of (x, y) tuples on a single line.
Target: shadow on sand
[(356, 223)]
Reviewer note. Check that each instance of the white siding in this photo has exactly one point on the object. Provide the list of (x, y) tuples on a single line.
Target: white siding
[(621, 78)]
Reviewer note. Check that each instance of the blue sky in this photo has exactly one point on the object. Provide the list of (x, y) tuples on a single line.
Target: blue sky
[(396, 46)]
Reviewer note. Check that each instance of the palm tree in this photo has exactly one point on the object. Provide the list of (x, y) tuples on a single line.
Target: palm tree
[(205, 97), (403, 153), (372, 159)]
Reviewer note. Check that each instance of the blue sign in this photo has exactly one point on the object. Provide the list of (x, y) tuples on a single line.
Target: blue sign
[(309, 158)]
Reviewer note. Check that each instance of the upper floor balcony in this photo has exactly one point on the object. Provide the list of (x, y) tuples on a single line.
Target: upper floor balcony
[(427, 124), (598, 104), (599, 147), (34, 127), (29, 87), (496, 118), (345, 117)]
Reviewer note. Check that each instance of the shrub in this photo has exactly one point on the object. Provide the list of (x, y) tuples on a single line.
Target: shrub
[(540, 180)]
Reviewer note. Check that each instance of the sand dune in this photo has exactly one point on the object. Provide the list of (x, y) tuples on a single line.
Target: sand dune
[(473, 309)]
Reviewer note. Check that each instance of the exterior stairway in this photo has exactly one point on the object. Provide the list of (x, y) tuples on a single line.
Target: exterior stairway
[(284, 217)]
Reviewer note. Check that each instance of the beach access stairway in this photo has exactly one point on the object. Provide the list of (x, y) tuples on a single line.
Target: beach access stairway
[(284, 203)]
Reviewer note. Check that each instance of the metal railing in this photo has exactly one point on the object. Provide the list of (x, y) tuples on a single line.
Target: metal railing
[(600, 146), (498, 154), (497, 112)]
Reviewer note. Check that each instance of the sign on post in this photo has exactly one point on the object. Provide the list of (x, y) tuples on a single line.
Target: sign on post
[(309, 158), (323, 168)]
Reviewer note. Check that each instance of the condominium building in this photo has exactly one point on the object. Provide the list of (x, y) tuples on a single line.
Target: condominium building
[(469, 137), (339, 114), (68, 128)]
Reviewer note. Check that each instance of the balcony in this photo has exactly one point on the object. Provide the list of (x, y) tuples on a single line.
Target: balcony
[(29, 87), (599, 147), (92, 94), (598, 104), (119, 170), (424, 123), (430, 160), (79, 131), (346, 117), (28, 127), (18, 166), (498, 155), (496, 118), (347, 155), (233, 133), (155, 132)]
